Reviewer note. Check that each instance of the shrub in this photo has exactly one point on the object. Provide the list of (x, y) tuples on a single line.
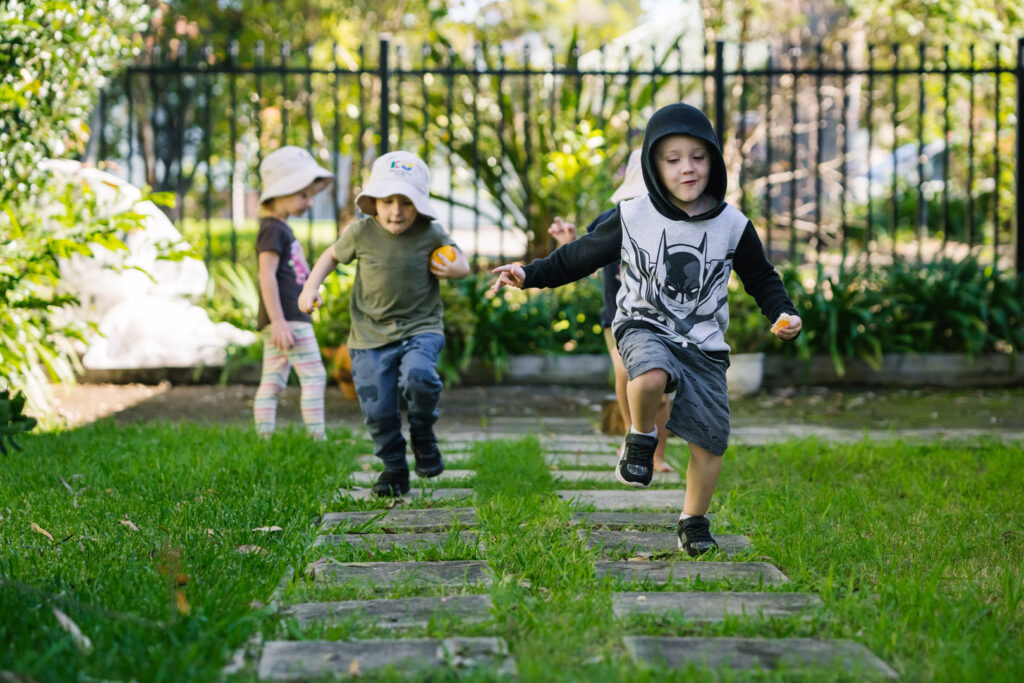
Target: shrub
[(55, 60)]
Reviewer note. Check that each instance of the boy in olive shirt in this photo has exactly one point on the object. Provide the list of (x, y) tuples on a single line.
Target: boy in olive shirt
[(397, 333)]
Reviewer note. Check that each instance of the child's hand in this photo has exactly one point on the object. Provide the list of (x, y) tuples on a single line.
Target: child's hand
[(562, 232), (787, 327), (441, 267), (511, 275), (281, 334), (310, 300)]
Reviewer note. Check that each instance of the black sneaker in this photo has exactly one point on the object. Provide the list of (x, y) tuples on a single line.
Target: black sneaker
[(695, 536), (636, 464), (429, 462), (392, 483)]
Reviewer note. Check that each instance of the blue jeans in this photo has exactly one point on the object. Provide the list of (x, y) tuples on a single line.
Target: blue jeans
[(406, 368)]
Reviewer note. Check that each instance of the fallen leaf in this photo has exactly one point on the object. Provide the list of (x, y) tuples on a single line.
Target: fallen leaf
[(80, 640), (183, 606), (314, 567), (128, 523), (353, 668), (268, 529), (250, 549), (181, 579), (211, 532), (40, 530), (256, 604)]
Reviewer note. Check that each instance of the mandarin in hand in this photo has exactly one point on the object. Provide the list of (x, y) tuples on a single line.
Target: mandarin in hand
[(781, 324), (448, 251)]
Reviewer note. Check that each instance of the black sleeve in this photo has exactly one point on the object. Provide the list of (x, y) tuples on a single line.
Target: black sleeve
[(759, 276), (579, 258)]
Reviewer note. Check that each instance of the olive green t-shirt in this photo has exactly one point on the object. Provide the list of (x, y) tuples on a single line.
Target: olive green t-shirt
[(394, 295)]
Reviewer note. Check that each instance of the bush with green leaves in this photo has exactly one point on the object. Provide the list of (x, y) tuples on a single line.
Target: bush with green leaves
[(56, 59), (943, 306)]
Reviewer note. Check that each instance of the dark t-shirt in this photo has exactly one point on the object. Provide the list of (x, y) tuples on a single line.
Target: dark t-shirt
[(292, 269)]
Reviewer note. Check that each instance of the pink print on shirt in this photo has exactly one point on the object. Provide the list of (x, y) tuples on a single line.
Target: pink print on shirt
[(298, 262)]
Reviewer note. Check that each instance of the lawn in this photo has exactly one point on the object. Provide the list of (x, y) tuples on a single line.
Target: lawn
[(145, 537)]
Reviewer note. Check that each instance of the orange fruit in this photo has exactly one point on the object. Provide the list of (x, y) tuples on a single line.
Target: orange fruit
[(781, 324), (447, 250)]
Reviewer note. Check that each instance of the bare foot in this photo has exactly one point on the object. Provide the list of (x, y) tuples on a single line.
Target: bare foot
[(662, 467)]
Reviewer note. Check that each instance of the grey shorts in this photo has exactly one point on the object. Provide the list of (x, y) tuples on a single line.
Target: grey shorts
[(700, 411)]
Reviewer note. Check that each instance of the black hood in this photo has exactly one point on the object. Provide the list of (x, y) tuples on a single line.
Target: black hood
[(682, 119)]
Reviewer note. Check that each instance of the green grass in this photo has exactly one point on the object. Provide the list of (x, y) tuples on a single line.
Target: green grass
[(916, 550)]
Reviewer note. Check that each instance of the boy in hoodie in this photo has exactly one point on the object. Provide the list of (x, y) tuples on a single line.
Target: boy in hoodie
[(678, 244)]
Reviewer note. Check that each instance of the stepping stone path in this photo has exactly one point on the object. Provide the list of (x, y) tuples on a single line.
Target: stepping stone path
[(761, 653), (367, 478), (615, 523), (611, 543), (623, 498), (291, 660), (376, 543), (703, 607), (607, 476), (394, 614), (395, 519), (415, 493)]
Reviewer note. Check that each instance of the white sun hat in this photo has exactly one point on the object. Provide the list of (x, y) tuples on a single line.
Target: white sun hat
[(401, 173), (289, 170), (633, 182)]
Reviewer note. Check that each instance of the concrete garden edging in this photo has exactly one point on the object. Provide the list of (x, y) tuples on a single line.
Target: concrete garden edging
[(900, 370), (595, 370)]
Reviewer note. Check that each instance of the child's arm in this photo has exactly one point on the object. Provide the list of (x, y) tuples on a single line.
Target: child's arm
[(762, 281), (570, 262), (443, 269), (280, 332), (310, 297)]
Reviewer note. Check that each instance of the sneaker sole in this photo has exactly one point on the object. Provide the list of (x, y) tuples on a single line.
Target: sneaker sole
[(623, 480), (425, 473)]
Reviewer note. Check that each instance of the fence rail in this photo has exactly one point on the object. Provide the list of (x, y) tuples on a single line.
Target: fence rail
[(880, 151)]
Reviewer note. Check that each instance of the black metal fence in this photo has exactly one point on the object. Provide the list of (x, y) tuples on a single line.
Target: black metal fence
[(884, 152)]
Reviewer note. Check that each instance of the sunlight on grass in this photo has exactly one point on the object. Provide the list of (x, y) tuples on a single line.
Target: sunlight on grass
[(146, 537)]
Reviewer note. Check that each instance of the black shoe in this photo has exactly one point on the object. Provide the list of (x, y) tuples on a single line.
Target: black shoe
[(429, 462), (636, 464), (392, 483), (695, 536)]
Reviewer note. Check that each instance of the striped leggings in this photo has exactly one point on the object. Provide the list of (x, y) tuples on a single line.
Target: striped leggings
[(304, 355)]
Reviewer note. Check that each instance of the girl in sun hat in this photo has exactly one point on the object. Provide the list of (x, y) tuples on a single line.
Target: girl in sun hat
[(397, 331), (290, 177), (632, 186)]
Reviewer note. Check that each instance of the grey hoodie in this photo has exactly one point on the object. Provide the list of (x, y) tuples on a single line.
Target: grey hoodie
[(675, 267)]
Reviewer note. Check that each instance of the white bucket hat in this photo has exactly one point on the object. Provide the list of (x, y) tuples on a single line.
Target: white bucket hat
[(401, 173), (289, 170), (633, 182)]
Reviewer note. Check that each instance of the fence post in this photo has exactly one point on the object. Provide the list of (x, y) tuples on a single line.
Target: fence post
[(720, 92), (385, 94), (1020, 157)]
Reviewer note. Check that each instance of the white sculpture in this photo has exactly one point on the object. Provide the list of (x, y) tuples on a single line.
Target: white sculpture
[(139, 302)]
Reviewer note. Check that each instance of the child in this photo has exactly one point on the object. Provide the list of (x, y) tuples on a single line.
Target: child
[(678, 243), (290, 179), (397, 332), (632, 186)]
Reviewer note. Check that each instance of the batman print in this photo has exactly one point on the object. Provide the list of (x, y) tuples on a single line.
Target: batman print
[(680, 287)]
